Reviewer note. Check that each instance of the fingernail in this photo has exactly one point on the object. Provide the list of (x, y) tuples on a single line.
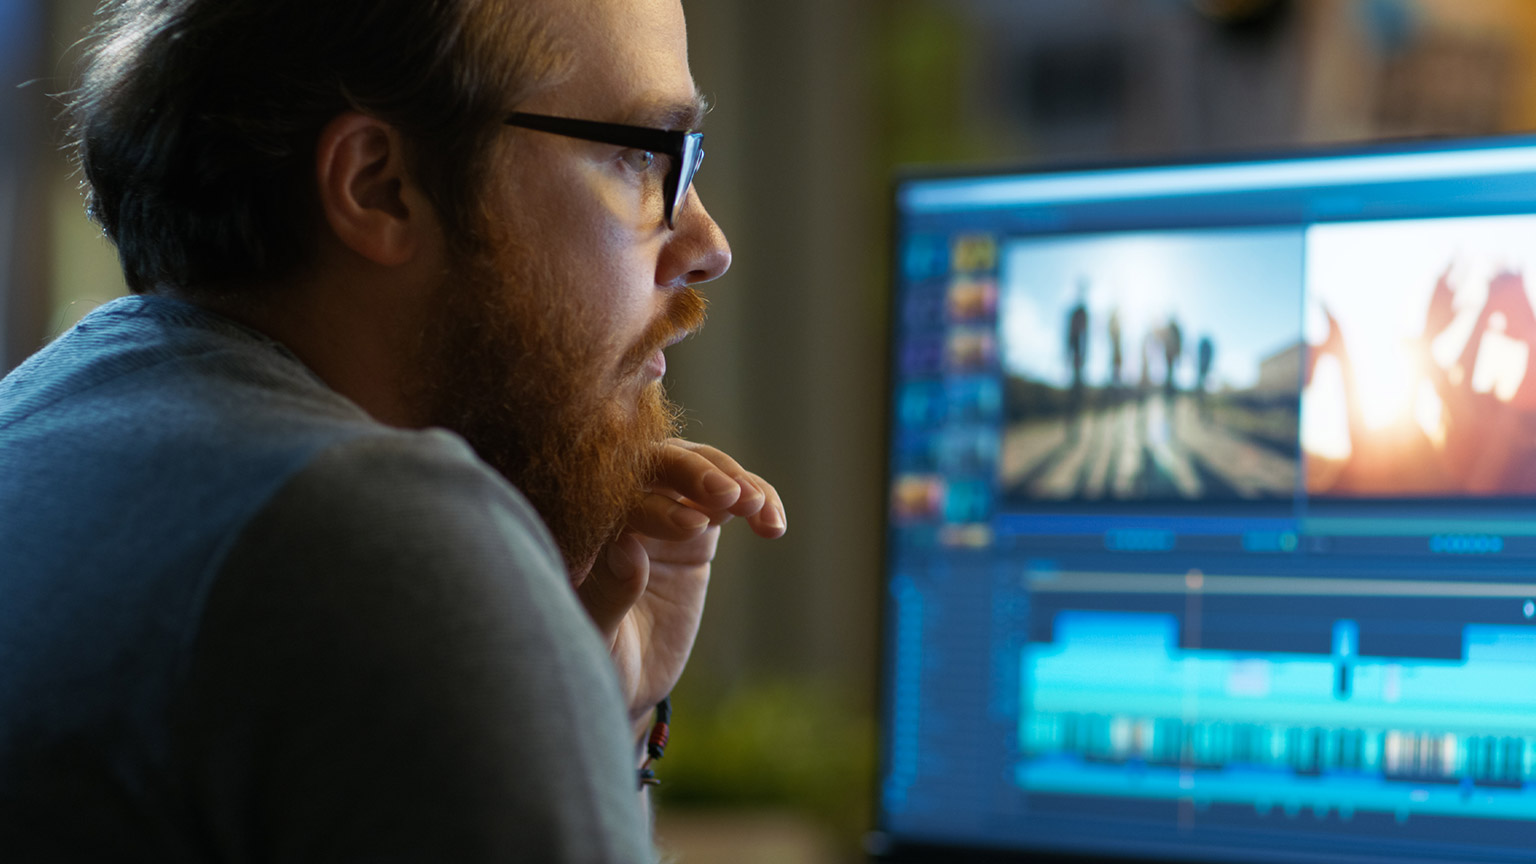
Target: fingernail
[(688, 519), (718, 484), (775, 518)]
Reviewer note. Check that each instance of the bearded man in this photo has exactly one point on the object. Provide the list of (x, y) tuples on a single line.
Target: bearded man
[(291, 534)]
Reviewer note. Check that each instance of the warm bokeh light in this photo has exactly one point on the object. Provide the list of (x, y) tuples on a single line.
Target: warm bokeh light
[(1419, 335)]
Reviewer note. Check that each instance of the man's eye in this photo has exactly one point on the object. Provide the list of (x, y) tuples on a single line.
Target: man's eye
[(639, 160)]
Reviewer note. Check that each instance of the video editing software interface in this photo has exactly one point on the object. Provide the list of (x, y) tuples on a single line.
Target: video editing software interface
[(1212, 529)]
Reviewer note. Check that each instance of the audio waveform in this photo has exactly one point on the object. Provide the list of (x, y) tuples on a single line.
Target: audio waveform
[(1114, 707)]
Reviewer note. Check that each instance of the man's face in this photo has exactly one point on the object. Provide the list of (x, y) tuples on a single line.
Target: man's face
[(545, 353), (594, 208)]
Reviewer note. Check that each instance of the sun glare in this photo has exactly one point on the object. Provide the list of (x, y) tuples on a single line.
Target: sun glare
[(1324, 415), (1429, 412)]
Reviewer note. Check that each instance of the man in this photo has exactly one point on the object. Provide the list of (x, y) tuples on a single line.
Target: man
[(258, 604)]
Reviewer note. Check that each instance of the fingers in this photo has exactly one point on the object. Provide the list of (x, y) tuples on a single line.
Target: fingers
[(701, 475), (616, 583), (666, 518), (768, 520), (707, 480)]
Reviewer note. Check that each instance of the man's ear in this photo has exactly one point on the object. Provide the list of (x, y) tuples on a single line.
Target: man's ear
[(367, 194)]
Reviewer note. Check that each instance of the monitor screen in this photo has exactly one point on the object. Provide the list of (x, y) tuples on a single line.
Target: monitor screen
[(1212, 511)]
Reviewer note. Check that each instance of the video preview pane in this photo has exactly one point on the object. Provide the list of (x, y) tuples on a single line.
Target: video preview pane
[(1152, 366), (1417, 378)]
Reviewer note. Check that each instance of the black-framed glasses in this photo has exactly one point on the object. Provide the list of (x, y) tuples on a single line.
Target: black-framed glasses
[(686, 149)]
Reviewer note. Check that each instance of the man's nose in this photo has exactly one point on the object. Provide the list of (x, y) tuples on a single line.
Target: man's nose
[(698, 251)]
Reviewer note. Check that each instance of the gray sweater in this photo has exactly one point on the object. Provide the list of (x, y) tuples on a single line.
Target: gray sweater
[(241, 621)]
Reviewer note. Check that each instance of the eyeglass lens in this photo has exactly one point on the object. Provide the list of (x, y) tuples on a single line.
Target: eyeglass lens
[(688, 165)]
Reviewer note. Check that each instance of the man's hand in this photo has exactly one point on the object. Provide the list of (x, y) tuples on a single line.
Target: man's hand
[(646, 591)]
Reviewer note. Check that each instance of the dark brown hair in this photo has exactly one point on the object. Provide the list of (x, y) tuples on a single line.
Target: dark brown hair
[(195, 121)]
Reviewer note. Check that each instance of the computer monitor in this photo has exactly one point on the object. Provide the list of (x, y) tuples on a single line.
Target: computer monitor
[(1212, 512)]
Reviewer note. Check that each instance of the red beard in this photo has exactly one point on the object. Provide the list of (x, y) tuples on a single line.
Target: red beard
[(509, 364)]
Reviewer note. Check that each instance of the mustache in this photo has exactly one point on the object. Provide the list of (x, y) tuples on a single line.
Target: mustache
[(683, 315)]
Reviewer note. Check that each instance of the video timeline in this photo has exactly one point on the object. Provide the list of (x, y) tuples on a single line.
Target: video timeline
[(1415, 705)]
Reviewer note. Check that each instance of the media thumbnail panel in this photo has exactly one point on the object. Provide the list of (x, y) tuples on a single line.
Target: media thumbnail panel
[(1151, 366), (1418, 381)]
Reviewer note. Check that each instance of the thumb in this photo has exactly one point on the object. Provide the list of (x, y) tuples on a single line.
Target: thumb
[(616, 583)]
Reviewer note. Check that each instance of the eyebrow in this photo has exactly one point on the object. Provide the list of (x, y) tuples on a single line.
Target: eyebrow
[(673, 115)]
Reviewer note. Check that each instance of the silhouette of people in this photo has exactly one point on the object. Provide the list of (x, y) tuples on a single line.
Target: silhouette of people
[(1116, 354), (1395, 460), (1173, 349), (1145, 383), (1487, 443), (1077, 355), (1205, 357), (1488, 440)]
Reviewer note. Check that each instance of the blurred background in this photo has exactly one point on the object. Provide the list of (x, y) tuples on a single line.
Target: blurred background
[(818, 102)]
